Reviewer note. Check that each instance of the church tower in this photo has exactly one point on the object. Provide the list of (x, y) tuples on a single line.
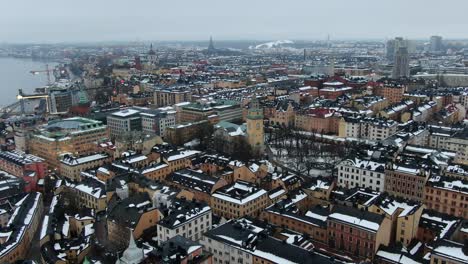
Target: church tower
[(255, 132), (211, 45), (152, 57), (211, 48), (133, 254)]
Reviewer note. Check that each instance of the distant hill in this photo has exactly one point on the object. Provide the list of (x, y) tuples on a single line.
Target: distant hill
[(273, 44)]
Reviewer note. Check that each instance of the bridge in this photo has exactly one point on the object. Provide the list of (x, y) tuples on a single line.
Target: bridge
[(22, 102)]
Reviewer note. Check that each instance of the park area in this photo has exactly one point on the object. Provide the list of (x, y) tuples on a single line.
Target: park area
[(305, 153)]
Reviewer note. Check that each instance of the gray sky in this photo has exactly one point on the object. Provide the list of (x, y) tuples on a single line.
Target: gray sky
[(108, 20)]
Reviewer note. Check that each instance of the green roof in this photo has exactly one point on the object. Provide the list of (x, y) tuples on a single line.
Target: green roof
[(83, 97), (227, 102), (62, 127), (197, 106), (225, 124)]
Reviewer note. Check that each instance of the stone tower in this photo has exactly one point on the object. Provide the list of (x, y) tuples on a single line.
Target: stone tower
[(255, 132)]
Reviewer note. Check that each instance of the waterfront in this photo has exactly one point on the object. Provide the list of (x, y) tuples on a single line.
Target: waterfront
[(15, 74)]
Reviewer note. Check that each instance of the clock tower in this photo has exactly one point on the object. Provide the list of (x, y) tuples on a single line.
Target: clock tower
[(255, 132)]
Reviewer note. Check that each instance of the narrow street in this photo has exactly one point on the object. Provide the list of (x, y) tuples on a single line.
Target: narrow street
[(101, 232), (34, 252)]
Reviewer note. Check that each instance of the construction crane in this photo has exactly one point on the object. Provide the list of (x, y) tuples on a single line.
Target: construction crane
[(21, 97), (47, 71)]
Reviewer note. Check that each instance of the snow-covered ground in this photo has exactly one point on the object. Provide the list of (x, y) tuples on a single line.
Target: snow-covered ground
[(272, 44), (316, 161)]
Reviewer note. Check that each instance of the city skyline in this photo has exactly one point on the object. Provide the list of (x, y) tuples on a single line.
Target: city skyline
[(259, 20), (214, 132)]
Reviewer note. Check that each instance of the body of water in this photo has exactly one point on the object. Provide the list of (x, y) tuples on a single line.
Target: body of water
[(15, 74)]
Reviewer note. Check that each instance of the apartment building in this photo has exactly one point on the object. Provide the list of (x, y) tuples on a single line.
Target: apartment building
[(380, 129), (189, 219), (366, 128), (357, 233), (362, 173), (331, 90), (133, 214), (423, 112), (61, 233), (179, 249), (71, 167), (201, 185), (394, 93), (450, 114), (457, 171), (241, 241), (167, 97), (450, 138), (406, 180), (447, 195), (312, 223), (239, 199), (283, 114), (319, 120), (21, 228), (29, 167), (90, 193), (395, 111), (157, 171), (449, 252), (435, 226), (373, 103), (404, 216), (179, 159), (11, 186), (319, 191), (249, 172)]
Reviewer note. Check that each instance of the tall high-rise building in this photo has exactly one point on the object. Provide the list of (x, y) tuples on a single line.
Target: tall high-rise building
[(392, 47), (401, 63), (435, 44), (411, 45)]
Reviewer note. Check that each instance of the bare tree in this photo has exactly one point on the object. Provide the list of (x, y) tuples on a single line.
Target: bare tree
[(309, 164)]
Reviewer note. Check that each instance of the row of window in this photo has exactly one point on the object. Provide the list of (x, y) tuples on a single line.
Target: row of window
[(454, 195), (347, 176), (350, 183), (347, 229)]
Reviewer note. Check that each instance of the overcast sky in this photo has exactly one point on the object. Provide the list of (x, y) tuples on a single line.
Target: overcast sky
[(143, 20)]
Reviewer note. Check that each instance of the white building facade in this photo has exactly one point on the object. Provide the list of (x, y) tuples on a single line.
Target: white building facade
[(190, 224), (361, 173)]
